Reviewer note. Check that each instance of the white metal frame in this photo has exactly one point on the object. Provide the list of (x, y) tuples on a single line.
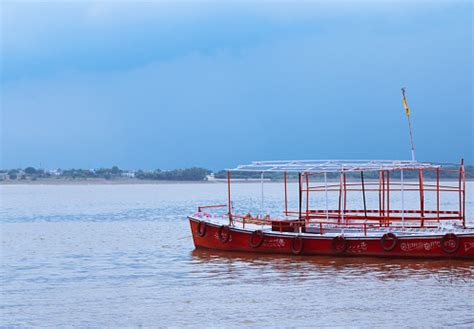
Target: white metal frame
[(327, 166)]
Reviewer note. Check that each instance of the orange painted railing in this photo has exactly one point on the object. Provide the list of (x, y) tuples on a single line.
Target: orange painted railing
[(211, 206)]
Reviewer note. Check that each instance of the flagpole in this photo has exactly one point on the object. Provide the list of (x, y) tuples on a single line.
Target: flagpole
[(407, 110)]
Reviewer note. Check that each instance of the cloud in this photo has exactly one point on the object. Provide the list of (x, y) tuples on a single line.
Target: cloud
[(162, 85), (333, 96), (46, 37)]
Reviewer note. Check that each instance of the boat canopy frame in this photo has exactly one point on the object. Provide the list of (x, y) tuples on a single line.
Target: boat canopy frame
[(384, 215), (331, 166)]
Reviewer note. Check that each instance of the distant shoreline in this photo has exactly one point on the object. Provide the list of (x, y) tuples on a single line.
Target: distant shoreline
[(131, 181), (115, 175), (97, 181)]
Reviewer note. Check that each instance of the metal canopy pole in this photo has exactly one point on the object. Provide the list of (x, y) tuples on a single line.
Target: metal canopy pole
[(307, 197), (300, 195), (463, 186), (340, 196), (228, 198), (326, 191), (383, 194), (380, 194), (422, 198), (363, 193), (286, 195), (437, 193), (261, 208), (388, 199), (403, 199), (343, 194), (460, 191)]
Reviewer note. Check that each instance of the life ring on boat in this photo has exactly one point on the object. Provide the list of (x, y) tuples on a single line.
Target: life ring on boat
[(294, 243), (340, 244), (389, 241), (202, 228), (450, 243), (224, 233), (259, 235)]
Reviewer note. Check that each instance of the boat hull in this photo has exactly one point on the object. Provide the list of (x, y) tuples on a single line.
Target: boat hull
[(235, 239)]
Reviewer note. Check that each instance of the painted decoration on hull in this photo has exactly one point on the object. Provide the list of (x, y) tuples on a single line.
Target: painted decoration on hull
[(298, 244)]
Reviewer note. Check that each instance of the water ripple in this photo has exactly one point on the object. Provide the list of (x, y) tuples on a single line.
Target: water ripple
[(115, 256)]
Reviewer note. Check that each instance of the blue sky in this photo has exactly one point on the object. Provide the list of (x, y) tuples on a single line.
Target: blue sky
[(215, 84)]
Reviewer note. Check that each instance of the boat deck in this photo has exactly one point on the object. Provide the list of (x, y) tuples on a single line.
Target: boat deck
[(334, 230)]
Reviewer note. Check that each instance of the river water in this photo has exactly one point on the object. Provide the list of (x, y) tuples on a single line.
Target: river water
[(122, 256)]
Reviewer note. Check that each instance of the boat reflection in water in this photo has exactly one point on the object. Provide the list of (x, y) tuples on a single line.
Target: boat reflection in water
[(264, 267), (271, 290)]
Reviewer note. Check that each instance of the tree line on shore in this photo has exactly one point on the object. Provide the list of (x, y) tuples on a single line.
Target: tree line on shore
[(196, 174), (31, 173)]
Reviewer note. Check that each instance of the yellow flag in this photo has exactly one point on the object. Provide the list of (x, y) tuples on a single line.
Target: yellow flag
[(406, 107)]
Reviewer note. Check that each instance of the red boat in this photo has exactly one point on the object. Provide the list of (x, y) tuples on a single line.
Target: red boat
[(326, 222)]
